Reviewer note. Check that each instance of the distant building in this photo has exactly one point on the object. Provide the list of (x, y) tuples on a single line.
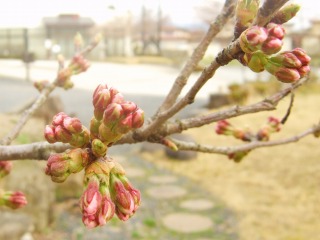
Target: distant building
[(61, 30)]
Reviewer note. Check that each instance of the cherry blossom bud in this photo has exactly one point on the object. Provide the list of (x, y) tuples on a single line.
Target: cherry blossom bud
[(101, 99), (108, 135), (263, 134), (138, 118), (49, 134), (252, 39), (106, 211), (61, 165), (99, 149), (304, 70), (287, 75), (286, 13), (125, 124), (302, 56), (287, 59), (58, 118), (168, 143), (73, 125), (283, 74), (271, 45), (274, 123), (275, 30), (128, 107), (255, 61), (94, 128), (62, 135), (124, 201), (58, 167), (5, 168), (224, 127), (80, 140), (13, 200), (90, 203), (238, 156), (242, 135), (112, 113)]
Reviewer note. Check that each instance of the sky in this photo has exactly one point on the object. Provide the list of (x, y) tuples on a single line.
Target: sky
[(29, 13)]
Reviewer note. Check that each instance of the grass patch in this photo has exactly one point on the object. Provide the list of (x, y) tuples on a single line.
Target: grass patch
[(274, 191)]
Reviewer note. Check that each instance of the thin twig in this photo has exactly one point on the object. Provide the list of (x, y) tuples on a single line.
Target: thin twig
[(267, 11), (42, 97), (189, 146), (215, 27), (285, 118)]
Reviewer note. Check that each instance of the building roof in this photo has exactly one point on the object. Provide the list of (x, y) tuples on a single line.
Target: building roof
[(68, 20)]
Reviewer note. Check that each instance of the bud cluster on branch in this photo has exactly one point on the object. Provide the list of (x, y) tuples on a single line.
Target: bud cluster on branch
[(10, 199), (108, 191)]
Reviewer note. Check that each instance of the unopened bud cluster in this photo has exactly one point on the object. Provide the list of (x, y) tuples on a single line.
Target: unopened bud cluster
[(10, 199), (113, 116), (224, 127), (67, 130), (260, 43), (108, 191), (77, 65)]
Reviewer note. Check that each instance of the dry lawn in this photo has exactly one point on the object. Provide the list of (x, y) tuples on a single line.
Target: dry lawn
[(275, 192)]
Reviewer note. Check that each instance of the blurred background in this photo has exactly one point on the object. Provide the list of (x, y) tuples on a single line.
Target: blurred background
[(272, 195)]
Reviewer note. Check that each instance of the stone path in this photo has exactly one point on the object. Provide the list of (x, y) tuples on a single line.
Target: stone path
[(173, 208)]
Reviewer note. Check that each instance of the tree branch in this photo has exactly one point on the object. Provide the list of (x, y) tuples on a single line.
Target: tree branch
[(215, 27), (189, 146), (267, 11), (38, 150), (39, 101)]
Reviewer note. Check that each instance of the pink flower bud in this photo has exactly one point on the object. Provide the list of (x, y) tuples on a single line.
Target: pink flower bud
[(128, 107), (255, 61), (117, 98), (287, 75), (101, 99), (112, 114), (13, 200), (302, 56), (99, 88), (223, 127), (286, 59), (106, 211), (122, 198), (73, 125), (304, 70), (272, 45), (77, 159), (274, 123), (58, 118), (275, 30), (58, 167), (125, 124), (62, 135), (137, 118), (252, 39), (5, 168), (49, 134), (256, 35)]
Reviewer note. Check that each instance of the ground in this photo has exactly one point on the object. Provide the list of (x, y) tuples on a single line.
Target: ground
[(274, 192)]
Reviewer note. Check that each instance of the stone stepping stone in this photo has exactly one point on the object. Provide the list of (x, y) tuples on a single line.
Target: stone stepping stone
[(166, 191), (187, 223), (197, 204), (162, 179), (132, 172)]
